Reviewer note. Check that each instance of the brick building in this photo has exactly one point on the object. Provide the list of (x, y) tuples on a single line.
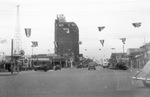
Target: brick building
[(66, 37)]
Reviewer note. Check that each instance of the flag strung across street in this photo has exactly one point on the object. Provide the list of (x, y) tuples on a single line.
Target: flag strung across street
[(101, 28), (123, 40), (102, 42), (34, 43), (28, 32), (56, 44), (137, 24)]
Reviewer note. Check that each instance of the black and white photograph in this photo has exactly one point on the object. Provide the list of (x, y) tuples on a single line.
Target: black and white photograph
[(74, 48)]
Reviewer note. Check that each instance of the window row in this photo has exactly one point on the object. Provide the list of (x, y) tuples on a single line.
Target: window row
[(66, 25)]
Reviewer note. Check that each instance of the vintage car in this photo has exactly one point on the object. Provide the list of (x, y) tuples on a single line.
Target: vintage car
[(79, 66), (57, 67), (43, 65), (91, 66), (105, 65), (144, 75)]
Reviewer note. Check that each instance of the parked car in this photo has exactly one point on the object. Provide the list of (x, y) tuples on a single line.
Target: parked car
[(57, 67), (84, 66), (105, 65), (43, 65), (119, 67), (91, 66), (79, 66)]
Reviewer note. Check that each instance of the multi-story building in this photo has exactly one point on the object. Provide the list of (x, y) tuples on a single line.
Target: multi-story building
[(138, 57), (66, 37)]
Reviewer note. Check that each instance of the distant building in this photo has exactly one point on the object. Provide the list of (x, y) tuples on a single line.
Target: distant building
[(66, 37), (116, 57), (138, 57), (2, 56)]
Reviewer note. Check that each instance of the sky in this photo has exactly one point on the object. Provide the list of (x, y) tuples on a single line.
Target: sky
[(116, 15)]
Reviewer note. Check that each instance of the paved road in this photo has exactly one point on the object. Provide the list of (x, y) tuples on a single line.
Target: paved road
[(72, 83)]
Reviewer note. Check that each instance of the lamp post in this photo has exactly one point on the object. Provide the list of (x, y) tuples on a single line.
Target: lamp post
[(123, 41), (32, 56)]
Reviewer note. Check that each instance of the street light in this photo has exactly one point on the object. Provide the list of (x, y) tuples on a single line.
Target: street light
[(123, 41)]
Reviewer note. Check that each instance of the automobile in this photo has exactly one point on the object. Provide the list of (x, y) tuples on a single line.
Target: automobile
[(105, 65), (79, 66), (92, 67), (57, 67), (119, 67), (84, 66), (42, 65), (143, 75), (123, 67)]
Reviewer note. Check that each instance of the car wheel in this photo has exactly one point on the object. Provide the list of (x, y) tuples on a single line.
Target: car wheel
[(146, 83)]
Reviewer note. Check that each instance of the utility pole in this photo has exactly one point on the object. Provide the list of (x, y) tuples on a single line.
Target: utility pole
[(12, 49), (123, 41), (17, 39)]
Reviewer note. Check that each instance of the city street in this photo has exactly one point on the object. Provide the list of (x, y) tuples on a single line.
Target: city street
[(72, 82)]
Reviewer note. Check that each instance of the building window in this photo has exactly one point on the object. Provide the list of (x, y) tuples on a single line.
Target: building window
[(73, 24), (61, 25), (65, 25)]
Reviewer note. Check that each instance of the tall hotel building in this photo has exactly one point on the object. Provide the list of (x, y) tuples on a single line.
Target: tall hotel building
[(66, 37)]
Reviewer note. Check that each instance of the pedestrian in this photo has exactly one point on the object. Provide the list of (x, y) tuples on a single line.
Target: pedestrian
[(12, 67), (17, 66)]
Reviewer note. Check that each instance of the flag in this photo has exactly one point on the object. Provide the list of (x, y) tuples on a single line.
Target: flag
[(101, 28), (28, 32), (137, 24), (123, 40), (80, 42), (102, 42), (56, 44), (67, 30), (34, 43)]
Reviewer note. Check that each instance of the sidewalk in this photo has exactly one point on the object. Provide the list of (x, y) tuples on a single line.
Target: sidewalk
[(6, 73)]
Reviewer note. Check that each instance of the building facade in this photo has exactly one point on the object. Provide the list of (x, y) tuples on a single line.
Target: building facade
[(66, 37), (138, 57)]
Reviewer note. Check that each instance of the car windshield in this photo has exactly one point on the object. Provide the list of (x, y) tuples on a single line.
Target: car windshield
[(74, 48)]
